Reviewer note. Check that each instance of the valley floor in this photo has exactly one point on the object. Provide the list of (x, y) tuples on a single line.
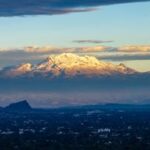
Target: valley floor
[(79, 128)]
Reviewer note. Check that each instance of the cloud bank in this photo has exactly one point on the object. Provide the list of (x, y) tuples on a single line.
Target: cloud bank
[(52, 7), (134, 48), (34, 54), (50, 49)]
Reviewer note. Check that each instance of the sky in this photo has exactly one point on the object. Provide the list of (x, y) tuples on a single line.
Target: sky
[(108, 38), (123, 24)]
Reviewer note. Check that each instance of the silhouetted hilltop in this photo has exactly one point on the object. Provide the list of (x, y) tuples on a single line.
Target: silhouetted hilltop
[(19, 106)]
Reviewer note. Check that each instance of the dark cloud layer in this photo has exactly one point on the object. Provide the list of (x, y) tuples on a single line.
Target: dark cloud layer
[(125, 57), (51, 7), (92, 41)]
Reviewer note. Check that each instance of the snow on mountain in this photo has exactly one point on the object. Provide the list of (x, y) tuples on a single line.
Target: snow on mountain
[(17, 70), (70, 65)]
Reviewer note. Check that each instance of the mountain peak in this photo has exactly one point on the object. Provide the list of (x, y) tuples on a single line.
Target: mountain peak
[(74, 64)]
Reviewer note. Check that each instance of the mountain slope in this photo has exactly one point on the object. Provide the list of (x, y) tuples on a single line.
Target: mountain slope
[(70, 65)]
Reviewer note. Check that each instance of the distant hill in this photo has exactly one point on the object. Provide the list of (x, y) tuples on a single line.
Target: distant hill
[(19, 106), (24, 106)]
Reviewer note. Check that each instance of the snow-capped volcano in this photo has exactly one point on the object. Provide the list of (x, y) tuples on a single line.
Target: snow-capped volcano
[(70, 65), (73, 79)]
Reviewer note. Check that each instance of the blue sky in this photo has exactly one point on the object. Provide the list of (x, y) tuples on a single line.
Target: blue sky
[(124, 24)]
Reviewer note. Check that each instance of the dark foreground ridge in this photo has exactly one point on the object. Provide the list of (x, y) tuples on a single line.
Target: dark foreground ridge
[(19, 106)]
